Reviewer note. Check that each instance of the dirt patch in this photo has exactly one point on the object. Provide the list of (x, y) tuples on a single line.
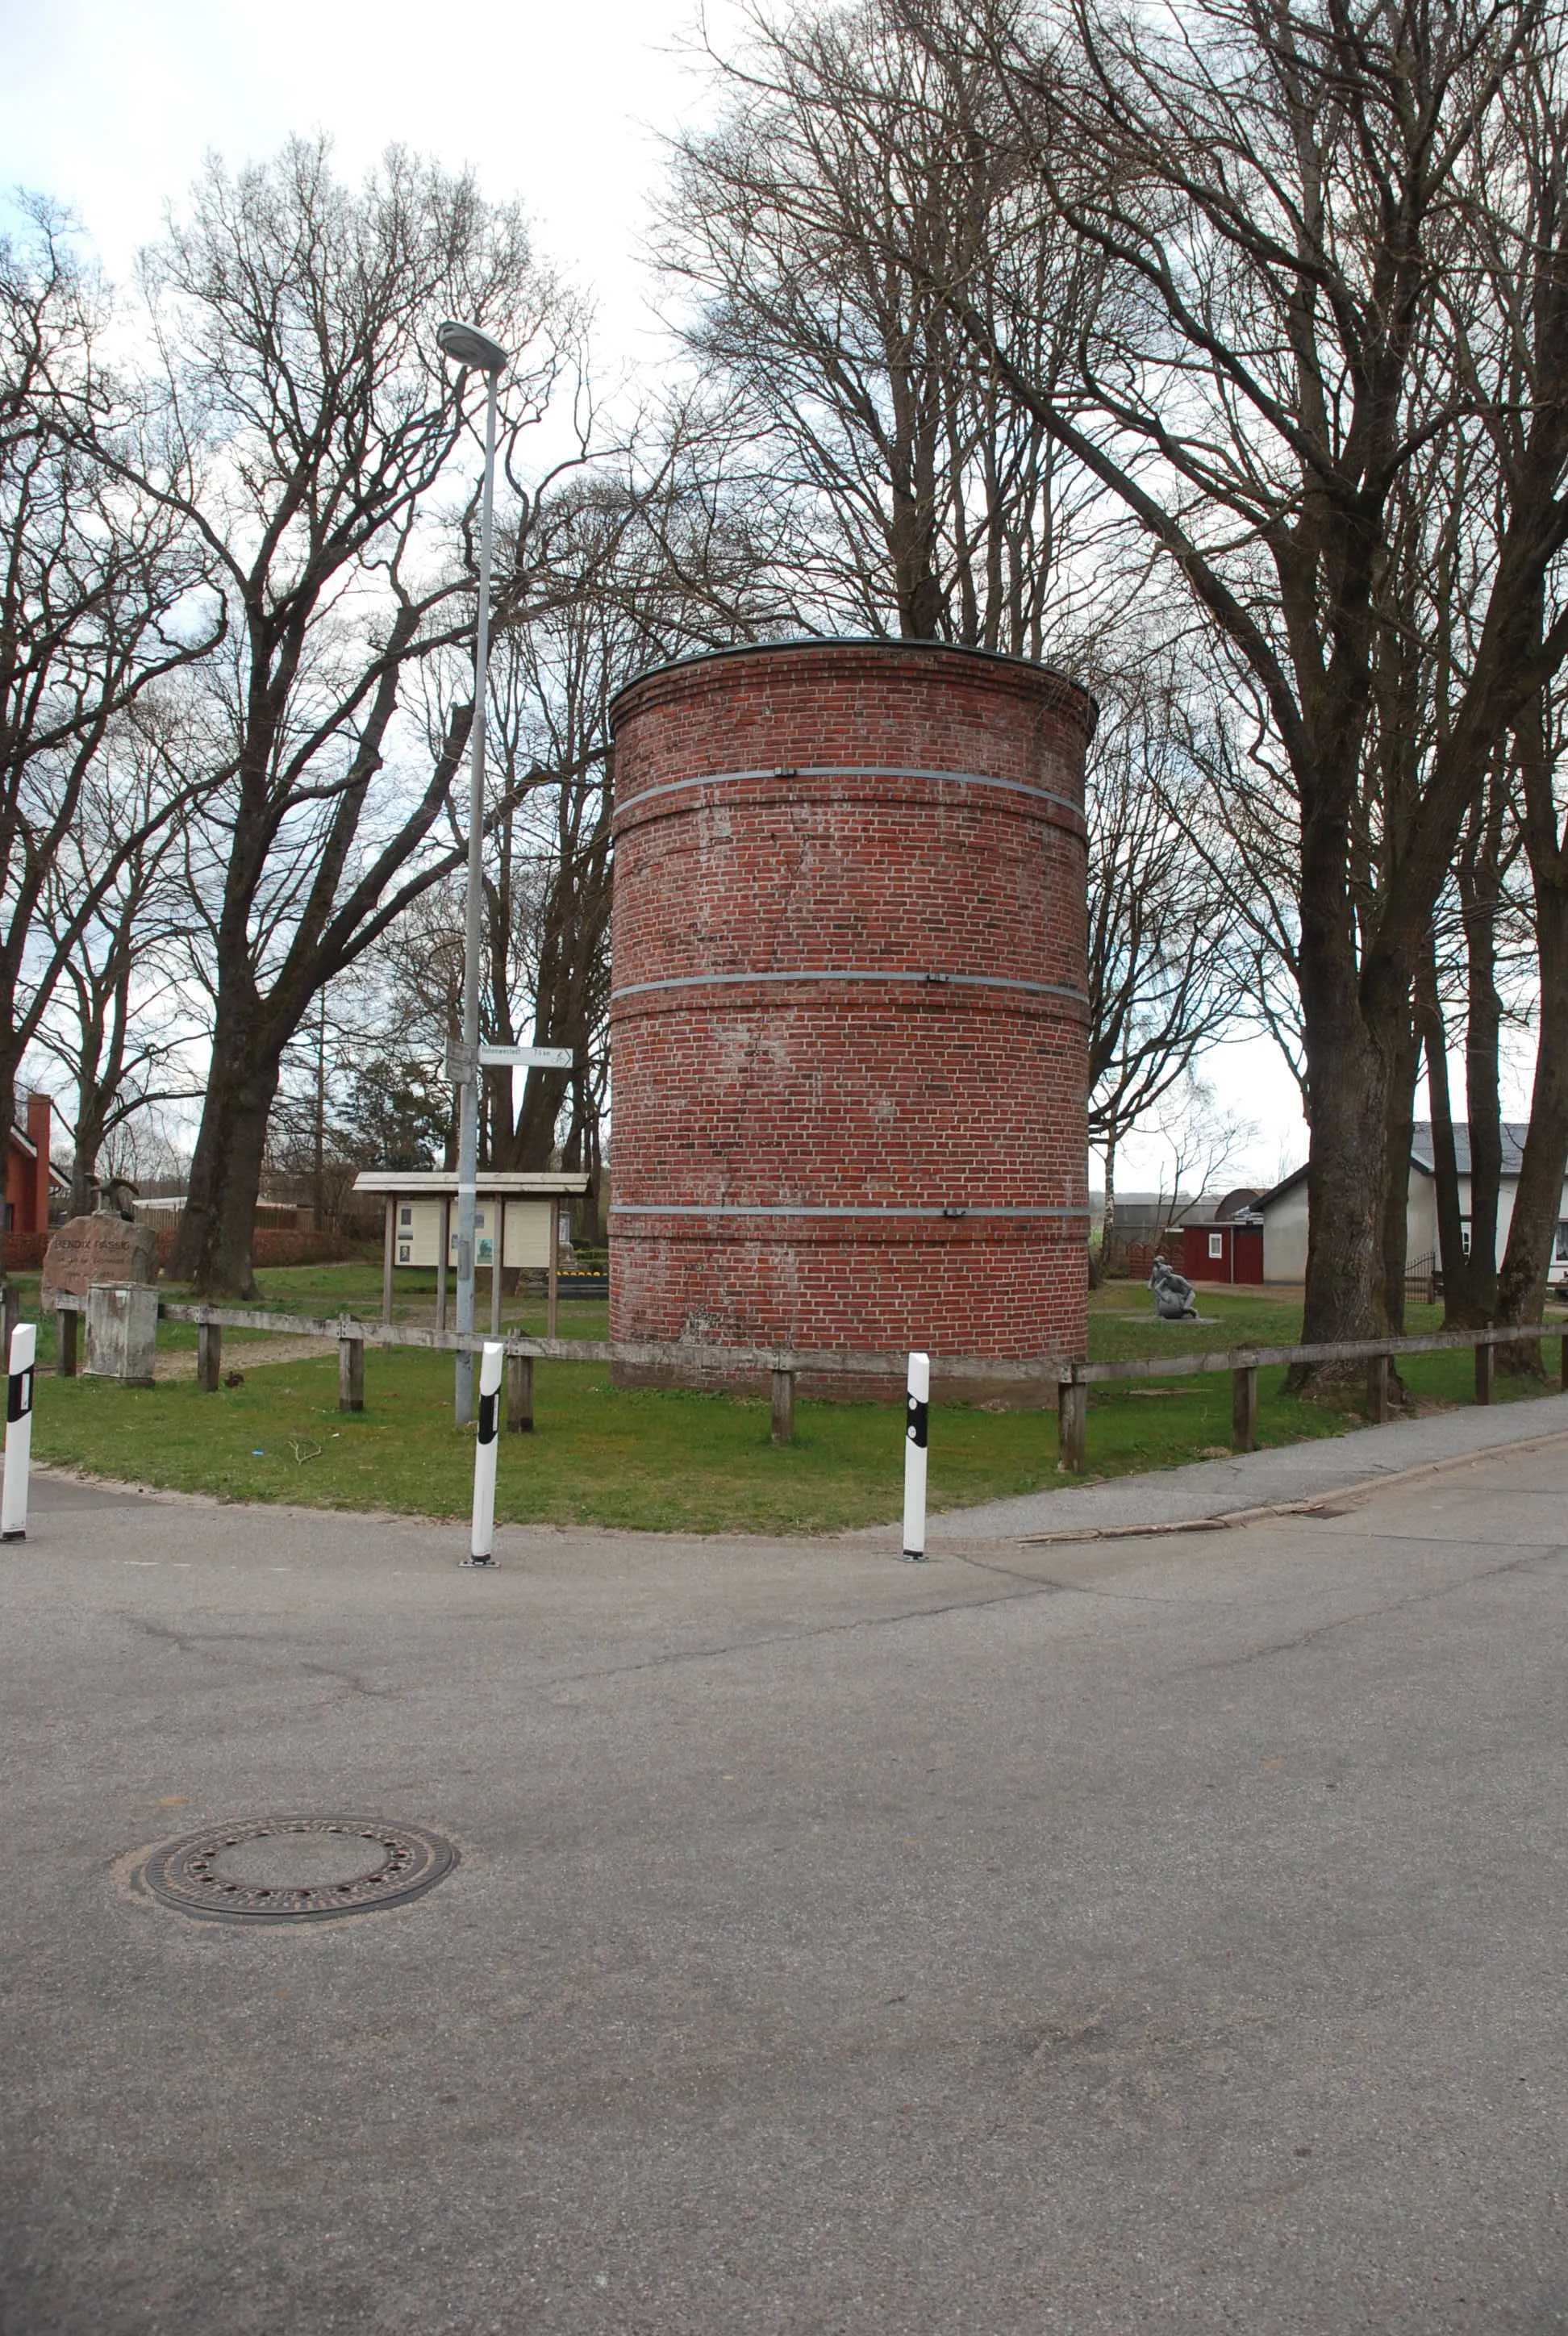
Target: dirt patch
[(253, 1354)]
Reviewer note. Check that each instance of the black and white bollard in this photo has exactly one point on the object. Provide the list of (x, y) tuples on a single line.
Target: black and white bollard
[(917, 1415), (482, 1542), (18, 1432)]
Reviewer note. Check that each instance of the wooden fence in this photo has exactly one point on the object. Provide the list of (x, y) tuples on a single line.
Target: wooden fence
[(780, 1367)]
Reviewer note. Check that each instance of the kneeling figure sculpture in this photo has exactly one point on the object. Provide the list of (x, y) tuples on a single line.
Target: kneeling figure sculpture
[(1172, 1294)]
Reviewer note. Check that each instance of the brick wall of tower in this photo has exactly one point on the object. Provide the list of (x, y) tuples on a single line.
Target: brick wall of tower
[(848, 1015)]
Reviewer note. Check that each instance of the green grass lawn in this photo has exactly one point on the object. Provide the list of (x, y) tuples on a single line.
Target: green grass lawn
[(658, 1458)]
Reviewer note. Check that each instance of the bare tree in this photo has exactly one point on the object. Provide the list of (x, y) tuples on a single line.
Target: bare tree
[(919, 501), (316, 436), (810, 234), (100, 599), (118, 1023), (1283, 205), (1162, 956)]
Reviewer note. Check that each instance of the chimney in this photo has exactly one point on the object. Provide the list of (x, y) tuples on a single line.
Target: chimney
[(39, 1114)]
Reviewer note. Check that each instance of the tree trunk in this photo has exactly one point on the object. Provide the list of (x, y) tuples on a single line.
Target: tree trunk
[(1396, 1191), (543, 1097), (213, 1248), (87, 1136), (1108, 1229), (1484, 1107), (1445, 1158), (1538, 1203), (1349, 1074)]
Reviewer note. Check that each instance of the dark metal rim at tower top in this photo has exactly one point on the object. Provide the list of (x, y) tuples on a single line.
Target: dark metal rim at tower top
[(182, 1873)]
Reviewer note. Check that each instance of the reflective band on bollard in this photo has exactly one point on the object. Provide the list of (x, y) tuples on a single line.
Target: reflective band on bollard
[(18, 1432), (483, 1538), (917, 1414)]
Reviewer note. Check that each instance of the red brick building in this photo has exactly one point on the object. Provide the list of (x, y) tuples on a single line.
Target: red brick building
[(28, 1182), (848, 1010)]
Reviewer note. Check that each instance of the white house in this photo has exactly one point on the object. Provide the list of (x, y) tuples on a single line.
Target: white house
[(1284, 1209)]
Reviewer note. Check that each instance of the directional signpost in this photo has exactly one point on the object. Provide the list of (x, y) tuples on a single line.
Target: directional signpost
[(462, 1068)]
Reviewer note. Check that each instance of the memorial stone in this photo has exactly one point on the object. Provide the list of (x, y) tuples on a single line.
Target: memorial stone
[(101, 1248)]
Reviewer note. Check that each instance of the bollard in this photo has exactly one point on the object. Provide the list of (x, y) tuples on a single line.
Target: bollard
[(483, 1540), (1378, 1390), (351, 1374), (209, 1355), (917, 1417), (66, 1322), (783, 1407), (520, 1395), (1072, 1426), (1244, 1407), (18, 1432)]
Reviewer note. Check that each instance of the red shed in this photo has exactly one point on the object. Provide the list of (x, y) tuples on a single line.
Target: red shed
[(1230, 1249)]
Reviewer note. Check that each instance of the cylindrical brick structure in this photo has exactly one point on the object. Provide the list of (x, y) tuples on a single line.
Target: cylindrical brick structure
[(848, 1012)]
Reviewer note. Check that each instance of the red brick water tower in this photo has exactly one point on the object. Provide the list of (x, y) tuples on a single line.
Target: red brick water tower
[(848, 1004)]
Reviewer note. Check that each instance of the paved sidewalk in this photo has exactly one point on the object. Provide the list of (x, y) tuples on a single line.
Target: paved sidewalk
[(1291, 1471)]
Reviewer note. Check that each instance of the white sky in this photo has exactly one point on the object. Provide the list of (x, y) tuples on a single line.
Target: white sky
[(111, 108)]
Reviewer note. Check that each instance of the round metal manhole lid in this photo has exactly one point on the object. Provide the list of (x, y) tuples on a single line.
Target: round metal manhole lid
[(297, 1869)]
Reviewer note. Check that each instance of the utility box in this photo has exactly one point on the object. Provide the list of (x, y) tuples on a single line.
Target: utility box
[(122, 1331)]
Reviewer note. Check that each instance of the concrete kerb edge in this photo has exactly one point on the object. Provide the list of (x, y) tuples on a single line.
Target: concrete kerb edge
[(1329, 1504)]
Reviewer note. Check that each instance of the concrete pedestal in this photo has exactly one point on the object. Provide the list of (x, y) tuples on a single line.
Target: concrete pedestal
[(122, 1331)]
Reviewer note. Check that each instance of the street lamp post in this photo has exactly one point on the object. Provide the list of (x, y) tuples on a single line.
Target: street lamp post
[(477, 352)]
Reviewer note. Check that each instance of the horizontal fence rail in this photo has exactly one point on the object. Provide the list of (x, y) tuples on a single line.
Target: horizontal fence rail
[(1070, 1376)]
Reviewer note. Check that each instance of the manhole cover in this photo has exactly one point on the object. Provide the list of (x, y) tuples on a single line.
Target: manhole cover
[(297, 1869)]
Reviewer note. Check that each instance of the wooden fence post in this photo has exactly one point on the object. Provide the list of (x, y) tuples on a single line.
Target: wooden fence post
[(66, 1319), (519, 1395), (209, 1355), (1244, 1407), (1072, 1425), (1377, 1390), (351, 1374), (1483, 1361), (784, 1406)]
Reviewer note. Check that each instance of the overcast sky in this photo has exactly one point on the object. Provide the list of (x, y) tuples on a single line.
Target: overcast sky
[(111, 108)]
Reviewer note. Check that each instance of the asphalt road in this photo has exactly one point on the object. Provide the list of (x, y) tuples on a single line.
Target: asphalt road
[(1155, 1935)]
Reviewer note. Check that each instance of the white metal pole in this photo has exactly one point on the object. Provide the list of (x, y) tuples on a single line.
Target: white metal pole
[(18, 1432), (468, 1089), (917, 1413), (481, 1545)]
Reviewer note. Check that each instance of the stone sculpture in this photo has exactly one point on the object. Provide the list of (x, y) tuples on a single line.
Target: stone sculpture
[(1173, 1293), (101, 1248)]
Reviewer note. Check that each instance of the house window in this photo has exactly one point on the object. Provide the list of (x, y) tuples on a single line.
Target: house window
[(1216, 1244), (407, 1217), (1559, 1250), (1464, 1235)]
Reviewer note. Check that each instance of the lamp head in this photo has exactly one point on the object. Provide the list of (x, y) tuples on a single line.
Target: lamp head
[(469, 347)]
